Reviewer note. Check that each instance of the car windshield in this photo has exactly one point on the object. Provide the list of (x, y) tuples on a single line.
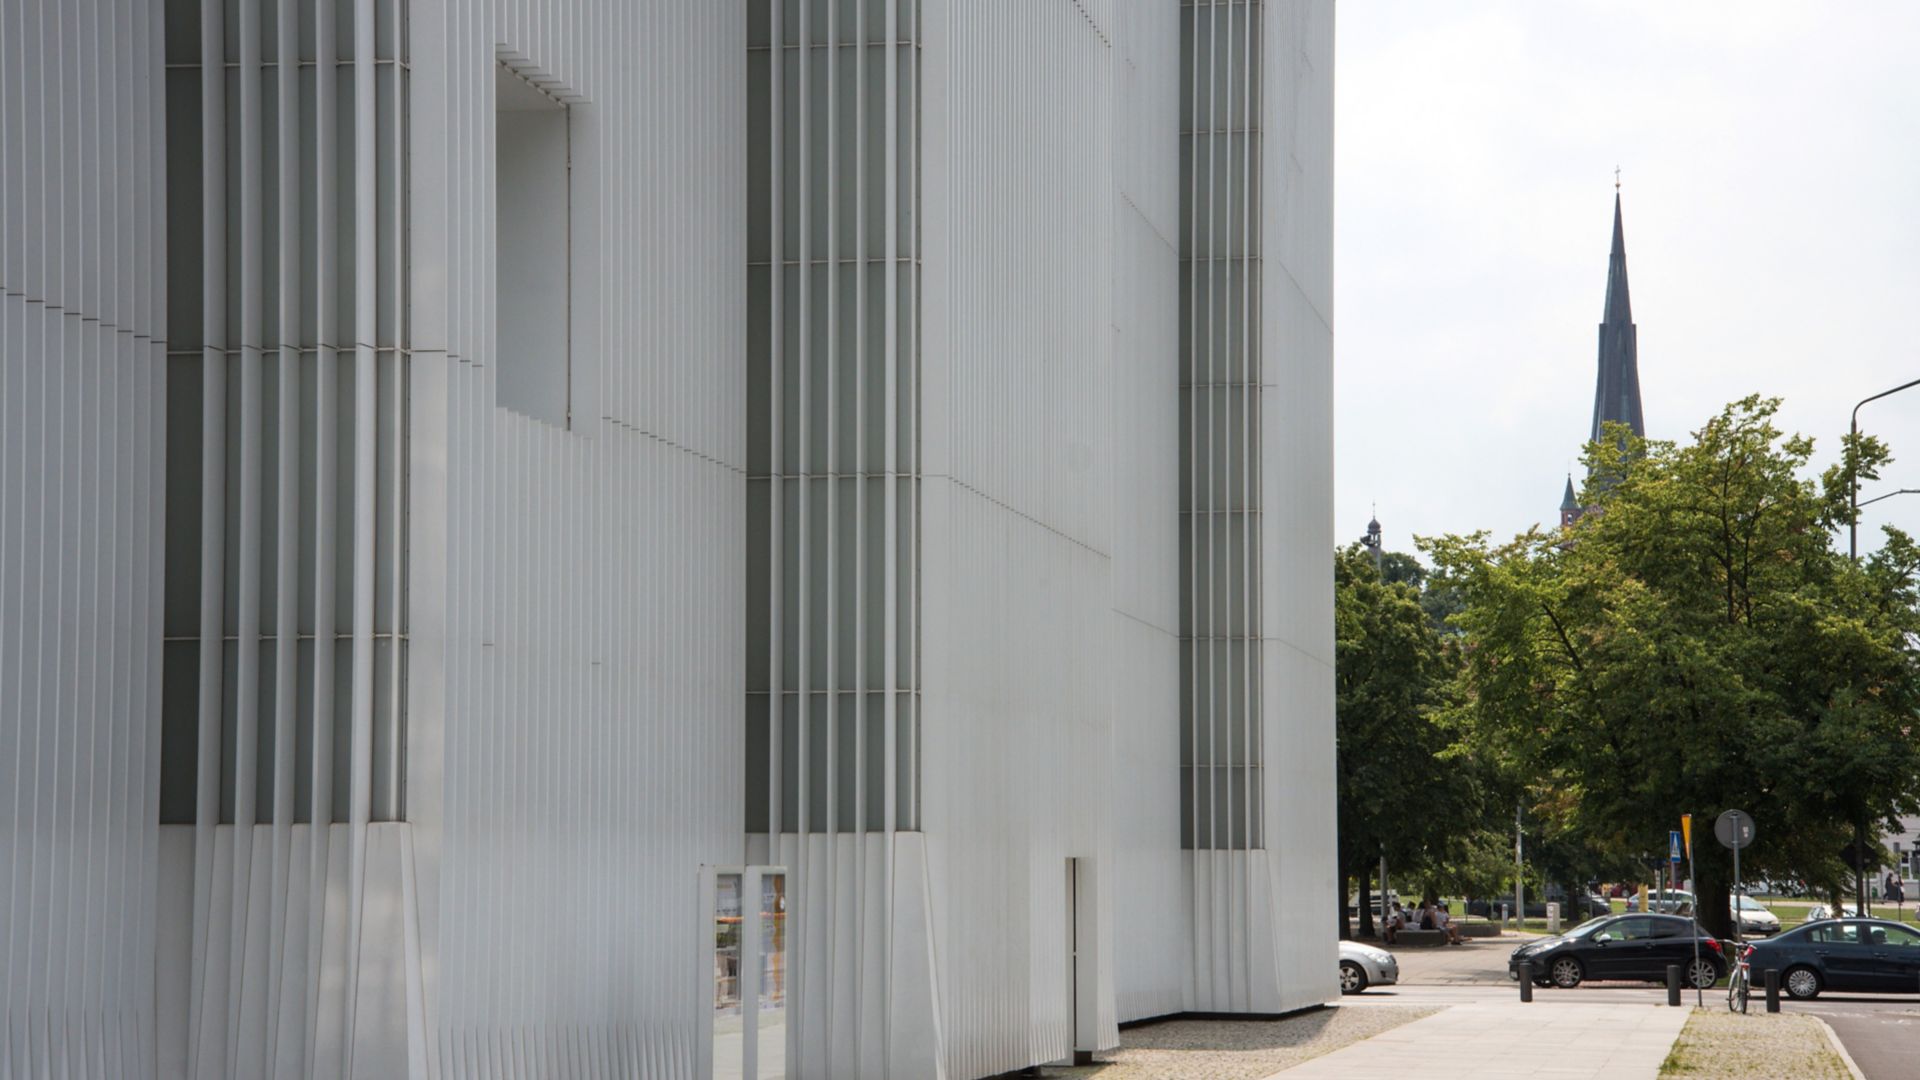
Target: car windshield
[(1586, 929), (1748, 903)]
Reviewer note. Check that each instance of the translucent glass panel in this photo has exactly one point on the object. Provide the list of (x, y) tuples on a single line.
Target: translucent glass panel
[(1220, 424), (286, 418), (833, 391)]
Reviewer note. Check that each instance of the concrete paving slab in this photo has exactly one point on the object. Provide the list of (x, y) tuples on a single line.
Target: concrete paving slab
[(1485, 1040)]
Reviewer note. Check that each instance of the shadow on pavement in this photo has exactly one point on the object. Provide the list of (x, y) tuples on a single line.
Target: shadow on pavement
[(1295, 1030)]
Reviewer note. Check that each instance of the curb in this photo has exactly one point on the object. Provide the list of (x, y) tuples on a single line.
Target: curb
[(1833, 1040)]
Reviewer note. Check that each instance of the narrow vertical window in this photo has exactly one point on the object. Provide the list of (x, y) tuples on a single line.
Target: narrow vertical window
[(532, 272)]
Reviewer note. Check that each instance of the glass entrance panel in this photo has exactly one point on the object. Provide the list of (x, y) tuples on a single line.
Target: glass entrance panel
[(772, 1028), (729, 1061)]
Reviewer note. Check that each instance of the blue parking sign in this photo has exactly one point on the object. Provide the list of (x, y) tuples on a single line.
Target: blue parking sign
[(1674, 849)]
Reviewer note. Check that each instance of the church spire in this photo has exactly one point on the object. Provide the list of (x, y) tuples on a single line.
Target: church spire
[(1616, 395)]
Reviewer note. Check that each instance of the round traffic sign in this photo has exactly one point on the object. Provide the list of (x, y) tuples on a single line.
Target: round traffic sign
[(1734, 829)]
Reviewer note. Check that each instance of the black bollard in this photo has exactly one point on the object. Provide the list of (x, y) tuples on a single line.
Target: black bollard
[(1526, 981), (1673, 984), (1773, 990)]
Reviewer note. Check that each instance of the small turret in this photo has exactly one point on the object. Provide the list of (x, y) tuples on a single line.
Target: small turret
[(1569, 505)]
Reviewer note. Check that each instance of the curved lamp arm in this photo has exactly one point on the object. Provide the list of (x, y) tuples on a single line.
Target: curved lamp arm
[(1853, 474)]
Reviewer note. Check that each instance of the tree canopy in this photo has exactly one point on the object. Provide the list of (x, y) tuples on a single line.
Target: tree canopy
[(1405, 790), (1695, 643)]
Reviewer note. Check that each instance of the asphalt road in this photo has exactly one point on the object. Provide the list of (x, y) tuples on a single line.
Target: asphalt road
[(1881, 1034)]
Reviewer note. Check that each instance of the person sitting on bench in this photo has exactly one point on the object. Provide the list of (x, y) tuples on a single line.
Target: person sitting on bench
[(1392, 923)]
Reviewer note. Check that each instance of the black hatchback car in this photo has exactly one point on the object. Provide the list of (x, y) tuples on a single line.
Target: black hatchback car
[(1625, 947), (1869, 956)]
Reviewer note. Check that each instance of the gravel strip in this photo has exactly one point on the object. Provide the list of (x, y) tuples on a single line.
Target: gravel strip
[(1238, 1049), (1720, 1045)]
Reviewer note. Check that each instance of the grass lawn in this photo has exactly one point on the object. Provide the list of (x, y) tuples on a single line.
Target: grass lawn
[(1792, 913), (1719, 1045)]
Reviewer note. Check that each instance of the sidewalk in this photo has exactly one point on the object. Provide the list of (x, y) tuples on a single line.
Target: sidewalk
[(1487, 1040)]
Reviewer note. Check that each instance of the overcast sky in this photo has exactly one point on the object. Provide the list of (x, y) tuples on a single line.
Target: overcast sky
[(1770, 173)]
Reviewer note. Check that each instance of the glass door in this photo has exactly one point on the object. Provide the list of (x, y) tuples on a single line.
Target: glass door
[(745, 942)]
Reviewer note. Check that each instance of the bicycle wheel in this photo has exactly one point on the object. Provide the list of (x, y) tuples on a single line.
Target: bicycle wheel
[(1746, 991)]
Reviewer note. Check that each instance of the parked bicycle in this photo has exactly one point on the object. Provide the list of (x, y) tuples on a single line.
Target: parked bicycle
[(1739, 974)]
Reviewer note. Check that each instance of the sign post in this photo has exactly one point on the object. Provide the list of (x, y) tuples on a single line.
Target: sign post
[(1734, 829), (1693, 884)]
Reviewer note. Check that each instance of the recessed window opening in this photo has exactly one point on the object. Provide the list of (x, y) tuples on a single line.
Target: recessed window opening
[(533, 279)]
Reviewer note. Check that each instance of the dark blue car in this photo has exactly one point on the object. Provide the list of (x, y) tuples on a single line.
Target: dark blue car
[(1867, 956), (1624, 947)]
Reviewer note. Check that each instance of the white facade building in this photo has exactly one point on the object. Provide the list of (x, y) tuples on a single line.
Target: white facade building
[(472, 473)]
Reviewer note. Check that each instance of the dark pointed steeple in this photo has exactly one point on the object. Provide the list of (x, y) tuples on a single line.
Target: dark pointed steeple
[(1569, 505), (1616, 395)]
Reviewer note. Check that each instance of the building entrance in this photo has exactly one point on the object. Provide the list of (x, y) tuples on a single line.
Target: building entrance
[(744, 941)]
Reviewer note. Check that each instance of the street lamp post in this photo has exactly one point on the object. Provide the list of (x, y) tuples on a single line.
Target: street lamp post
[(1853, 471), (1853, 553)]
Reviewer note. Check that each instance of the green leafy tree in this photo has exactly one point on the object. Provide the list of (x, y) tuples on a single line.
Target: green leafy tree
[(1405, 786), (1694, 643)]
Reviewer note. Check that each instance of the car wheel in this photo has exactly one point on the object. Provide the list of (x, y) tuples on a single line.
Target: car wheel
[(1701, 974), (1565, 973), (1802, 983), (1353, 978)]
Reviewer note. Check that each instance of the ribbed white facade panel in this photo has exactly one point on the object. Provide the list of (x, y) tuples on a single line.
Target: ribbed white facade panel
[(82, 388), (1152, 904), (577, 620), (1296, 482), (1016, 537)]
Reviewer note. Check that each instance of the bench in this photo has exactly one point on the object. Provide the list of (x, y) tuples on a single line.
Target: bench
[(1419, 937)]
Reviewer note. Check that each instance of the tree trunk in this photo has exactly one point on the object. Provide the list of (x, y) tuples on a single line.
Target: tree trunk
[(1366, 904), (1711, 902), (1346, 920), (1860, 905)]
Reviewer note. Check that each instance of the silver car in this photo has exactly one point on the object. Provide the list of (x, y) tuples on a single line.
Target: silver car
[(1755, 919), (1362, 966)]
